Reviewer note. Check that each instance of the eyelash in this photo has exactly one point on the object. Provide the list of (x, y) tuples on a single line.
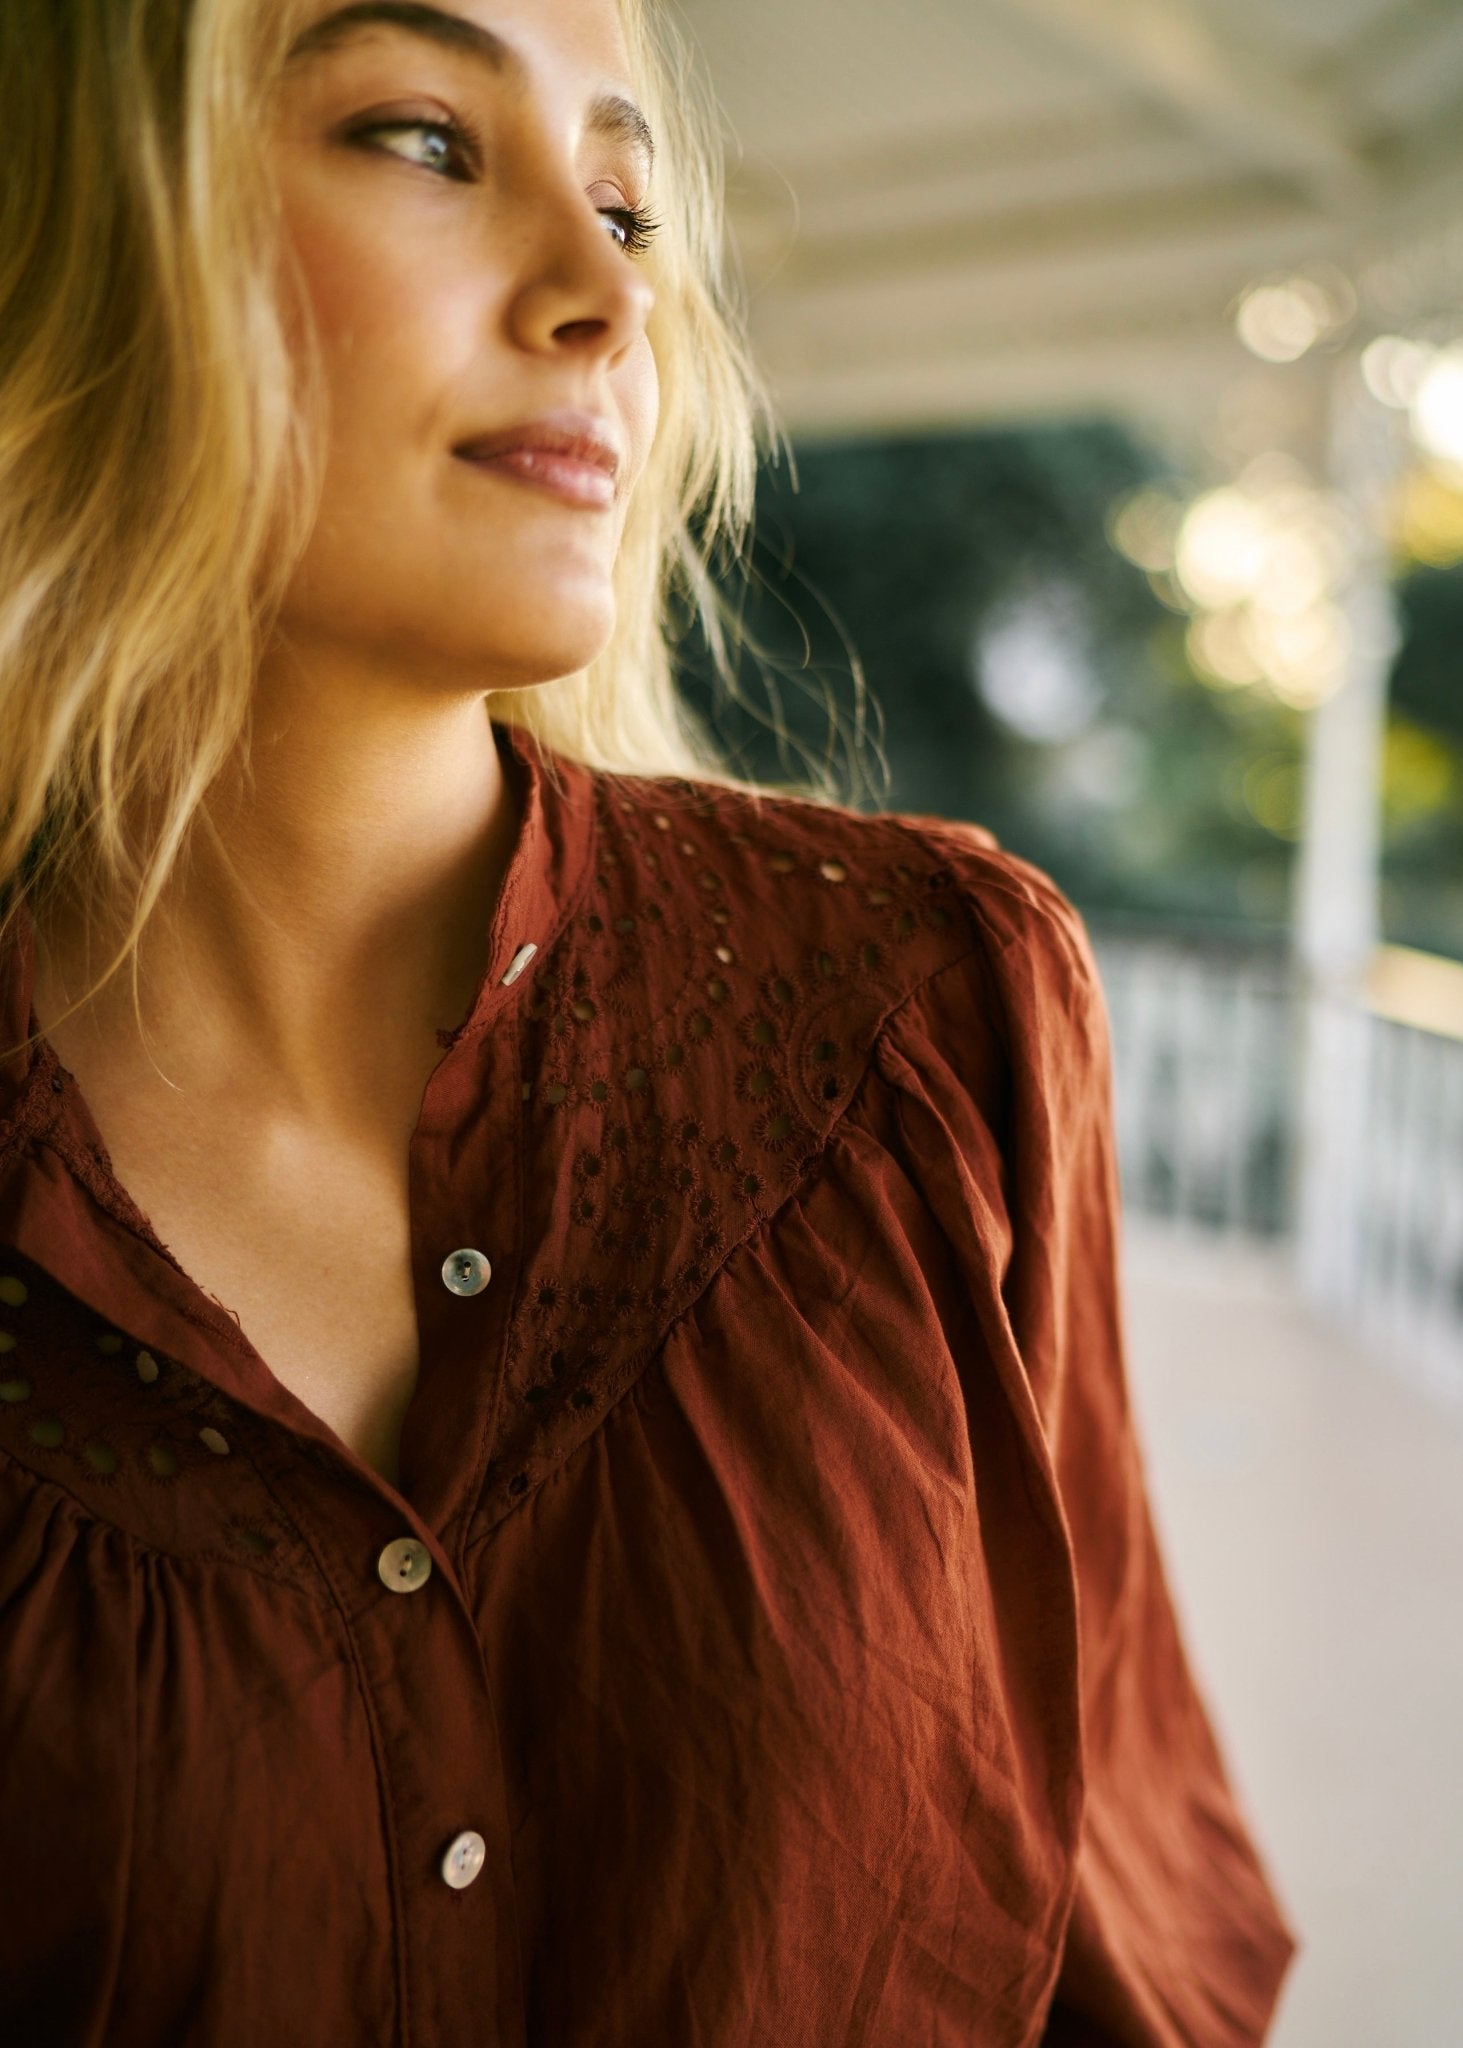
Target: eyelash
[(636, 223)]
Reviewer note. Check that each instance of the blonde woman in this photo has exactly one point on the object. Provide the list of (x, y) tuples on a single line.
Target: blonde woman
[(565, 1474)]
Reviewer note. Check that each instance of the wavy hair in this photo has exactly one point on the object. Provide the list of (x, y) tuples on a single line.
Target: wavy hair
[(158, 468)]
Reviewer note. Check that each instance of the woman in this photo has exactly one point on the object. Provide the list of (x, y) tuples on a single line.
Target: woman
[(565, 1475)]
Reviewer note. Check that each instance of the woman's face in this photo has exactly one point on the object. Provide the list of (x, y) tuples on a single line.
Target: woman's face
[(464, 189)]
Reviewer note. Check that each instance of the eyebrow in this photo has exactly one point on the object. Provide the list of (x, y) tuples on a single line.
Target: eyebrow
[(611, 114)]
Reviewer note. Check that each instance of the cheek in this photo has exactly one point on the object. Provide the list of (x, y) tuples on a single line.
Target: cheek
[(639, 397), (340, 280), (391, 321)]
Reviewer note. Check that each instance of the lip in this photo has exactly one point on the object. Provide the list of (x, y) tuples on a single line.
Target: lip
[(575, 456)]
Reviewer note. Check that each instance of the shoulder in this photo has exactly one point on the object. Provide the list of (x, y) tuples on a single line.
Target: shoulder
[(735, 983), (861, 913)]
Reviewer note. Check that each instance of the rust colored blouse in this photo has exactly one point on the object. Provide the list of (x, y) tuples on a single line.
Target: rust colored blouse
[(766, 1645)]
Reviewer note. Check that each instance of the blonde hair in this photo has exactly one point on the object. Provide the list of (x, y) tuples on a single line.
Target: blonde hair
[(157, 470)]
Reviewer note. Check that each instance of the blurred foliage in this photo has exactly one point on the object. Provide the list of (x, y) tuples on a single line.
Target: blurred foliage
[(1422, 898), (1153, 794), (1427, 682)]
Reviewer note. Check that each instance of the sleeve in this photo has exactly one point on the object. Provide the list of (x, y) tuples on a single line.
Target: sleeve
[(1175, 1937), (68, 1764)]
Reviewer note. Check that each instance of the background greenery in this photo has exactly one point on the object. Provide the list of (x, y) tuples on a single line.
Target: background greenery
[(1147, 793)]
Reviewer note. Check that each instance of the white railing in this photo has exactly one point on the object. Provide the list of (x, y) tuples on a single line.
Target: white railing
[(1246, 1109), (1205, 1069), (1406, 1283)]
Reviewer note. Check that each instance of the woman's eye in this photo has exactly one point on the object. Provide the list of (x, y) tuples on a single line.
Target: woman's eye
[(434, 145), (442, 147), (630, 226)]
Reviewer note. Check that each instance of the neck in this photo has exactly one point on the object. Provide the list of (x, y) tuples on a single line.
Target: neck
[(342, 891)]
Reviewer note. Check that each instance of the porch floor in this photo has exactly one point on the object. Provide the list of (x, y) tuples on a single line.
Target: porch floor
[(1310, 1504)]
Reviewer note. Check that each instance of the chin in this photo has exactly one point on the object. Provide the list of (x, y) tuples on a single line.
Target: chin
[(530, 669), (516, 632), (518, 660), (548, 627)]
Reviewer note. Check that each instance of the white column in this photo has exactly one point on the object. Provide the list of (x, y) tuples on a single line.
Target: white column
[(1338, 880)]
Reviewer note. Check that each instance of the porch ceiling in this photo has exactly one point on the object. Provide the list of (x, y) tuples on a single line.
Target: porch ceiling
[(951, 210)]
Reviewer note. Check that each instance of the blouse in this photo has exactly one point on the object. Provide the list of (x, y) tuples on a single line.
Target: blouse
[(766, 1644)]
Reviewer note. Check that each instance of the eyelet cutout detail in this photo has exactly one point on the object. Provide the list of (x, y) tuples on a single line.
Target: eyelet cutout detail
[(694, 1030)]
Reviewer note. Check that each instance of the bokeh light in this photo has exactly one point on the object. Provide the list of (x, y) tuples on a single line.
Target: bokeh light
[(1303, 654), (1394, 368), (1427, 517), (1256, 566), (1033, 665), (1222, 651), (1145, 529), (1222, 548), (1281, 321), (1437, 409)]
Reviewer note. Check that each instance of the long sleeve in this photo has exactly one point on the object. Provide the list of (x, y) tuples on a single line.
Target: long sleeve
[(1175, 1937)]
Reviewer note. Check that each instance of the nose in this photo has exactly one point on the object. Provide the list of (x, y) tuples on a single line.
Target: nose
[(580, 292)]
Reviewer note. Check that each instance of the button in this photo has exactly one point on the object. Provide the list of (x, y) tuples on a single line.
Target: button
[(466, 1272), (517, 964), (464, 1860), (404, 1565)]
